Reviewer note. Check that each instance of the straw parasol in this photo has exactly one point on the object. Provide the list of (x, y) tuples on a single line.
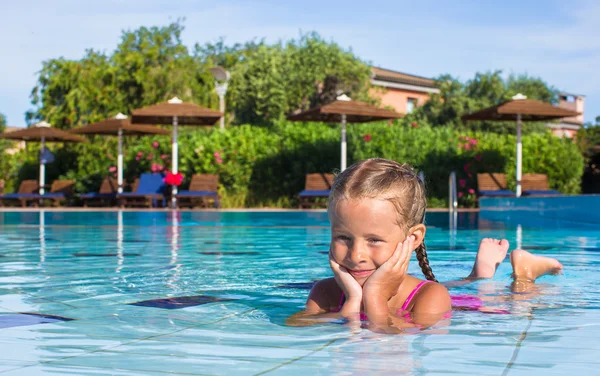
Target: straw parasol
[(175, 112), (520, 109), (119, 126), (42, 132), (345, 110)]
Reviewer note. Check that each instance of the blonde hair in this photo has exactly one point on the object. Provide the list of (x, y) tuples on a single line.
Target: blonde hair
[(387, 180)]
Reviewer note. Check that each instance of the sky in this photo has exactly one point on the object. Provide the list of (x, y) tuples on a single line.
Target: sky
[(558, 41)]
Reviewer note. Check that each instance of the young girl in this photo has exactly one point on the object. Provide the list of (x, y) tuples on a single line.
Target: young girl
[(376, 209)]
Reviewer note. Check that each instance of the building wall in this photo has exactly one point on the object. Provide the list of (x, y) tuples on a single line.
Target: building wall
[(398, 98), (561, 132)]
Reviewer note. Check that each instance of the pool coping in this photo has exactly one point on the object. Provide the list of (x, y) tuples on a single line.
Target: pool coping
[(114, 209)]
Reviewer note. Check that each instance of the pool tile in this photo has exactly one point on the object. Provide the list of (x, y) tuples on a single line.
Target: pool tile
[(298, 285), (86, 254), (26, 318), (204, 365), (179, 302), (7, 365), (55, 368), (232, 253)]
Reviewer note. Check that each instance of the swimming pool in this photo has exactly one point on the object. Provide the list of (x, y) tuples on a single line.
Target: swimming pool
[(137, 293)]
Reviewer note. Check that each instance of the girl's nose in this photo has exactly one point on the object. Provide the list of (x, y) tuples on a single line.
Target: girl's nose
[(356, 254)]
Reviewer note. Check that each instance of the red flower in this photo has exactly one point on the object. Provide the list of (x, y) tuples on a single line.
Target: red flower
[(414, 124), (367, 137), (155, 144), (460, 194), (462, 182), (466, 167), (471, 191), (173, 179), (478, 157)]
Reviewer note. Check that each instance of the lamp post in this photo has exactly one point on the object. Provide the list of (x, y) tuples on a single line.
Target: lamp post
[(221, 83)]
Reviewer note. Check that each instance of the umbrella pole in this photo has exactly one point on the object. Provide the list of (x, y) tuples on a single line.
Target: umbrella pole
[(42, 168), (343, 164), (519, 156), (174, 168), (120, 162)]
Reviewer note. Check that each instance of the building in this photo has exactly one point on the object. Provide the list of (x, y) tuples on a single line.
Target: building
[(568, 127), (405, 92), (401, 91)]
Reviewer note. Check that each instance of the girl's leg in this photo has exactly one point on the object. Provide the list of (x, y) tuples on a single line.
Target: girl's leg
[(490, 254), (528, 267)]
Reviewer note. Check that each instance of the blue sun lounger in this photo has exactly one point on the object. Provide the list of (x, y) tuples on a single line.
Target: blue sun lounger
[(149, 192)]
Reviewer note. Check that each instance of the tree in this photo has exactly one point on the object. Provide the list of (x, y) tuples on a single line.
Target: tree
[(149, 65), (484, 90), (2, 122), (270, 81)]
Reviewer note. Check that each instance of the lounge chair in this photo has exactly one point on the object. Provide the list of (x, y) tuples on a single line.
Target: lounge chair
[(60, 190), (149, 192), (203, 189), (316, 186), (27, 189), (493, 185), (537, 185), (106, 194)]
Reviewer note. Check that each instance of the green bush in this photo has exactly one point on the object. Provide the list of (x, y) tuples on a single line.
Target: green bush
[(260, 166)]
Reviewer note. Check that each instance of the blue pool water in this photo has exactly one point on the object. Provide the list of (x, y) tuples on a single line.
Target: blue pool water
[(141, 293)]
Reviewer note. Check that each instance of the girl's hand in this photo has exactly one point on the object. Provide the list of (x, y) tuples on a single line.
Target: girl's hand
[(350, 286), (387, 278)]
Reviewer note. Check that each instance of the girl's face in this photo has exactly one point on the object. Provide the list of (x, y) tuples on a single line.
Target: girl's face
[(364, 235)]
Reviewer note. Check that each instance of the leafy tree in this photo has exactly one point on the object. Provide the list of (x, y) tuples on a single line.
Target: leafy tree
[(150, 65), (484, 90)]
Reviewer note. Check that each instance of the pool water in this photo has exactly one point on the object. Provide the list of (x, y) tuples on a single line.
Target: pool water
[(141, 293)]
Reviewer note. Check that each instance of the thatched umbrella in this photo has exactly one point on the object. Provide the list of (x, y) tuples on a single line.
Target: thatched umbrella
[(42, 132), (520, 109), (119, 126), (175, 112), (345, 111)]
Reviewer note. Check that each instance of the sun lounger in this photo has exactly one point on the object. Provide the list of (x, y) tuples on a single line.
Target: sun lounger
[(60, 190), (316, 186), (149, 192), (203, 189), (27, 189), (493, 185), (107, 193), (537, 185)]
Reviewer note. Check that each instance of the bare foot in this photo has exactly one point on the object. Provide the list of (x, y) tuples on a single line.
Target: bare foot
[(490, 254), (530, 267)]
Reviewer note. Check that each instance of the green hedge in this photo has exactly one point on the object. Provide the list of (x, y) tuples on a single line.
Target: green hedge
[(261, 166)]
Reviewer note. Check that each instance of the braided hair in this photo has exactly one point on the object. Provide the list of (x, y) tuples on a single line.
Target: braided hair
[(392, 181)]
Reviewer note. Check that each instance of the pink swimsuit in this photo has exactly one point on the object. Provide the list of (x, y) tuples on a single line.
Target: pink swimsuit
[(459, 302)]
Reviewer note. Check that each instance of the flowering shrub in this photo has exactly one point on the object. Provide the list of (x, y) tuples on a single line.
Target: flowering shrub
[(259, 166), (173, 179)]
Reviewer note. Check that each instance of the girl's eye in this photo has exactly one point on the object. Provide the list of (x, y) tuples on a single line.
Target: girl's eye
[(374, 241), (342, 237)]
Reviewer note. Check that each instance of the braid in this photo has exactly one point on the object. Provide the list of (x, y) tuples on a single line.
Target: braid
[(424, 262)]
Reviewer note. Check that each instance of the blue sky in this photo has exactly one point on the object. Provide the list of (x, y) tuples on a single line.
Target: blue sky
[(558, 41)]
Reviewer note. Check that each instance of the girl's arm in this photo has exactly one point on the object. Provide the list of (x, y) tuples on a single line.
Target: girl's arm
[(319, 303)]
